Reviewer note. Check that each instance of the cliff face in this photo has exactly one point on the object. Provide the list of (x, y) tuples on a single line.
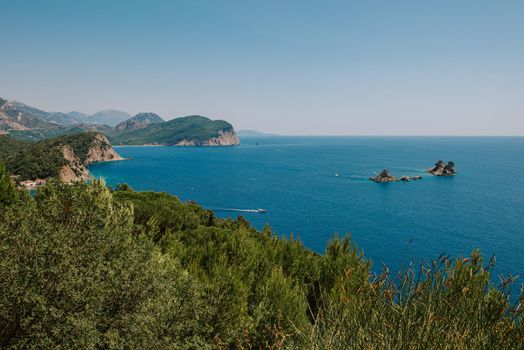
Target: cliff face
[(74, 170), (100, 150), (224, 138)]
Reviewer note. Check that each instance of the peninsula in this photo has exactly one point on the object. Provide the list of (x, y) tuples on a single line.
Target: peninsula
[(64, 157)]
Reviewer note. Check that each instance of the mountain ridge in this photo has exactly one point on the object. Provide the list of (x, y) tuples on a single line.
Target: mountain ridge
[(32, 124)]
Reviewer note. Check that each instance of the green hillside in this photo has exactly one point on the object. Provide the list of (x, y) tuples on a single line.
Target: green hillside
[(195, 127), (41, 159), (10, 145)]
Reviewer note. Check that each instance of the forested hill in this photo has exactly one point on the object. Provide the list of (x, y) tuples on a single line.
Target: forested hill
[(84, 267), (64, 157), (192, 130)]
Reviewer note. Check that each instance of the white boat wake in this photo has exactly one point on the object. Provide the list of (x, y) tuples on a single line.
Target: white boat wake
[(260, 211)]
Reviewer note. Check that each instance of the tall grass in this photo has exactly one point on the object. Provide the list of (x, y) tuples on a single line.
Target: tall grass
[(438, 304)]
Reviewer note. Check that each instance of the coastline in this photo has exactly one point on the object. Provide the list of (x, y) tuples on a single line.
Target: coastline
[(109, 160)]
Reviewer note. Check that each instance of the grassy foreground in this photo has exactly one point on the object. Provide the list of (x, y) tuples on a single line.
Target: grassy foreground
[(85, 267)]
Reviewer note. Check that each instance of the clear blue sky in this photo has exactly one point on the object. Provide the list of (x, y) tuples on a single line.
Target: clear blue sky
[(291, 67)]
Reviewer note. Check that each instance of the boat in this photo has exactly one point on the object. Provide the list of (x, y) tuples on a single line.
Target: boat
[(261, 211)]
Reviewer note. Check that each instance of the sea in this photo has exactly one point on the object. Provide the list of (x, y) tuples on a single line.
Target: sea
[(317, 187)]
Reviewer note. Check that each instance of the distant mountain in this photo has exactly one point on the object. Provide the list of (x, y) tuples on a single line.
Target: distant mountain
[(192, 130), (78, 116), (253, 133), (31, 124), (62, 118), (108, 117), (15, 117), (139, 121), (52, 117)]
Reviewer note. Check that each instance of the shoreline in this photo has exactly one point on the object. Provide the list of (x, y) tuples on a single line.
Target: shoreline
[(109, 160)]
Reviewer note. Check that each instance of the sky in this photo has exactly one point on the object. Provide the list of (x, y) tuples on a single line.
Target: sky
[(288, 67)]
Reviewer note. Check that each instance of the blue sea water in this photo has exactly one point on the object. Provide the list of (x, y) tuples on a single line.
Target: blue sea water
[(293, 178)]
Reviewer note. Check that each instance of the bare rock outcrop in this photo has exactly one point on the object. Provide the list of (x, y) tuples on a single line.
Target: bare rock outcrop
[(224, 138), (101, 151), (74, 170), (443, 169), (384, 176)]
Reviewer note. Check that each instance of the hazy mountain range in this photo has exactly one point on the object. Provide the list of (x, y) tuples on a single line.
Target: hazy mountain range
[(27, 123), (110, 117)]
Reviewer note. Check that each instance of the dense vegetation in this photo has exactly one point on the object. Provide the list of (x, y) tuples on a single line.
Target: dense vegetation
[(195, 127), (40, 134), (41, 159), (9, 146), (82, 266)]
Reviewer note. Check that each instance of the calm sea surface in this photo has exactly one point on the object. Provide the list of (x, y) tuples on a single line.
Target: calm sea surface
[(293, 178)]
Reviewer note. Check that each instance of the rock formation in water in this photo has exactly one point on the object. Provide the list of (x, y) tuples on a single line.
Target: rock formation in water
[(443, 169), (409, 178), (384, 176)]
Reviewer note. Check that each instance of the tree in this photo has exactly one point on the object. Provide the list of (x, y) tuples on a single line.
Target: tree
[(8, 192), (74, 275)]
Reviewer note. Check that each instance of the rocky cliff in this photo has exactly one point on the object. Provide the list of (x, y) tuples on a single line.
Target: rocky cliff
[(64, 157), (224, 138), (74, 169), (99, 150)]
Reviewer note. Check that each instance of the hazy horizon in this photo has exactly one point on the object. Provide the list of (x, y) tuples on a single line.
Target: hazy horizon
[(452, 68)]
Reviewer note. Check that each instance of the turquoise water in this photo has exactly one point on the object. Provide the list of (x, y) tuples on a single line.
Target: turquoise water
[(293, 178)]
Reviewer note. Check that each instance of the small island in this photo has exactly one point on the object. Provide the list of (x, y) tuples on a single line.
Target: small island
[(409, 178), (384, 176), (443, 169)]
